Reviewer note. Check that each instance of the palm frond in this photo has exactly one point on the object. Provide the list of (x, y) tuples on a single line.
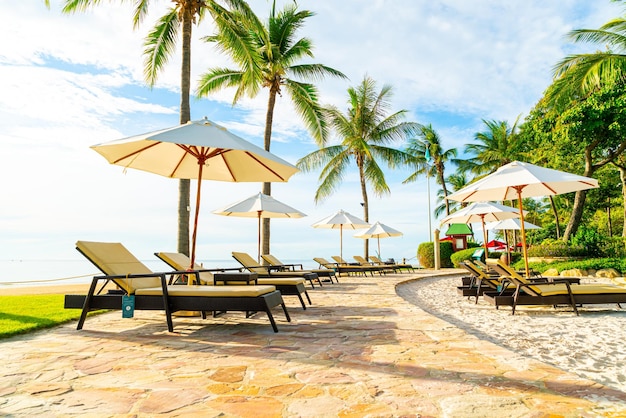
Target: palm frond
[(159, 45), (304, 99)]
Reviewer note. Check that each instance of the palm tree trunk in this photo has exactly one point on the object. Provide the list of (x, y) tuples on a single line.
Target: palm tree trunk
[(556, 217), (267, 187), (442, 181), (185, 116), (622, 176), (366, 210)]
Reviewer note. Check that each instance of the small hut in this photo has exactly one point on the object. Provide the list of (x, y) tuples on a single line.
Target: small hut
[(458, 235)]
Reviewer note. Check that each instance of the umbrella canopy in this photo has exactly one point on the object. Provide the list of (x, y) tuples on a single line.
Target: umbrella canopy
[(341, 220), (510, 224), (260, 206), (518, 180), (379, 231), (494, 243), (482, 212), (201, 150)]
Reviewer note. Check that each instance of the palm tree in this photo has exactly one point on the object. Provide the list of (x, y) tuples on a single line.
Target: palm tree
[(457, 181), (365, 130), (426, 147), (496, 147), (578, 75), (268, 55), (160, 44)]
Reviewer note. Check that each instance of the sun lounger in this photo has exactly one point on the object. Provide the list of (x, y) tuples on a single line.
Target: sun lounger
[(399, 266), (276, 263), (364, 269), (286, 285), (557, 291), (250, 264), (151, 291), (480, 282), (384, 268), (339, 269)]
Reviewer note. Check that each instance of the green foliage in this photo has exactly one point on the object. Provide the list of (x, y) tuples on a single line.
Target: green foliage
[(461, 255), (613, 247), (25, 313), (618, 264), (589, 239), (426, 254), (556, 248), (445, 251)]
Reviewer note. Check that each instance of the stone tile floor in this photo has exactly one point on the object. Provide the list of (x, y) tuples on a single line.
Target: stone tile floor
[(359, 351)]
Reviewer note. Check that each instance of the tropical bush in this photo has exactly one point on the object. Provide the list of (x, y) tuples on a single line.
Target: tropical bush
[(461, 255), (618, 264), (426, 254), (556, 248)]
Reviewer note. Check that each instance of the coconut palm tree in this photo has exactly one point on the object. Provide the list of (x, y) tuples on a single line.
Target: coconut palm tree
[(160, 44), (268, 55), (456, 181), (495, 147), (578, 75), (426, 147), (365, 131)]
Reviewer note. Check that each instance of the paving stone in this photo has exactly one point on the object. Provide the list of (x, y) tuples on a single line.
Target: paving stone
[(360, 350)]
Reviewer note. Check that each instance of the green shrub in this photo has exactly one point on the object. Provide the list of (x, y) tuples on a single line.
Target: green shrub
[(613, 247), (589, 239), (426, 254), (556, 248), (618, 264), (461, 255), (445, 252)]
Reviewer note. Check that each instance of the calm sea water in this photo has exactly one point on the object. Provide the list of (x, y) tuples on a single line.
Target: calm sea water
[(60, 272)]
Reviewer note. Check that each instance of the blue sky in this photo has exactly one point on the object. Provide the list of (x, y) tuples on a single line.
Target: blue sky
[(71, 81)]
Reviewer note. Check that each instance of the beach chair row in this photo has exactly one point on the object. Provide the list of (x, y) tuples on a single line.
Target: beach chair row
[(128, 284), (500, 285)]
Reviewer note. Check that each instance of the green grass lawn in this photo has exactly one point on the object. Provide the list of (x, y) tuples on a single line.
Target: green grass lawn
[(25, 313)]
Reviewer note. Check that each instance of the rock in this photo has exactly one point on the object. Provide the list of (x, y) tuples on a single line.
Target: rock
[(550, 273), (610, 273), (573, 273)]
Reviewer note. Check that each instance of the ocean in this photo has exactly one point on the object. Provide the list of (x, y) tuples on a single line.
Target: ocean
[(60, 272)]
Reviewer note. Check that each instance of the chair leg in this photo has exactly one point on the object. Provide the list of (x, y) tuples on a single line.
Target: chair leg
[(307, 297), (301, 301), (83, 314), (286, 312)]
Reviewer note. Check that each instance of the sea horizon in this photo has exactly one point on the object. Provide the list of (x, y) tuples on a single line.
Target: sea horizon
[(54, 272)]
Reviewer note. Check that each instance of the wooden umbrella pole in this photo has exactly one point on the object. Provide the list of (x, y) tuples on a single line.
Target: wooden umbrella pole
[(482, 220), (195, 218), (341, 241), (258, 244), (523, 230)]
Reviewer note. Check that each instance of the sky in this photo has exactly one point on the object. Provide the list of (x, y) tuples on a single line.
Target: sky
[(71, 81)]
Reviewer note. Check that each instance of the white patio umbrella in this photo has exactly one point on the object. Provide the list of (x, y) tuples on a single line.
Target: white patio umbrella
[(518, 180), (379, 231), (508, 225), (482, 212), (201, 150), (260, 206), (341, 220)]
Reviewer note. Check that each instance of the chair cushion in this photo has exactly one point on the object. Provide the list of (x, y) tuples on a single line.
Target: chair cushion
[(583, 289), (112, 258), (281, 280), (209, 291), (181, 262)]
